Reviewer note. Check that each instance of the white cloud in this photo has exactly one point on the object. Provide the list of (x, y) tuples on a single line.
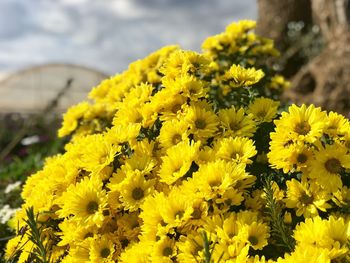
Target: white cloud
[(107, 34)]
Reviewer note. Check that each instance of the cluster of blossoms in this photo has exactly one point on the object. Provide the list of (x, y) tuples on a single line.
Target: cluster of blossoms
[(186, 157)]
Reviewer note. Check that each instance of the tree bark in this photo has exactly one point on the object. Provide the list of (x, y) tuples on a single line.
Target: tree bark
[(273, 20), (324, 80)]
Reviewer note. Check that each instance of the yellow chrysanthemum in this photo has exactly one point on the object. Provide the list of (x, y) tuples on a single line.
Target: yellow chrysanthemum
[(337, 125), (173, 132), (328, 164), (139, 253), (306, 197), (191, 248), (134, 189), (289, 157), (151, 215), (164, 250), (236, 123), (85, 201), (203, 123), (239, 149), (177, 209), (331, 235), (73, 232), (263, 109), (238, 76), (215, 178), (302, 123), (102, 249), (255, 234), (189, 86), (71, 118), (174, 168)]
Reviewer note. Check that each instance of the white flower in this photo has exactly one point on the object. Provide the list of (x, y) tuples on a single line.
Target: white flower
[(11, 187), (6, 212)]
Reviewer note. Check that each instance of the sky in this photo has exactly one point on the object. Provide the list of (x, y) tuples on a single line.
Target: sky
[(107, 35)]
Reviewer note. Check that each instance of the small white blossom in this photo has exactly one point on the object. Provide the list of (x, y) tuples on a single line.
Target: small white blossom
[(6, 212), (11, 187)]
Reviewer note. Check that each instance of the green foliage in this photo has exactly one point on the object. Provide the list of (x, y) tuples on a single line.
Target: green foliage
[(279, 231)]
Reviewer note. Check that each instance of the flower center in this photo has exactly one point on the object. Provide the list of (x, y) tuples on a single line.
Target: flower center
[(235, 155), (196, 214), (124, 242), (92, 207), (302, 128), (200, 124), (88, 234), (176, 108), (235, 126), (167, 251), (176, 138), (179, 214), (138, 193), (306, 199), (333, 166), (302, 158), (214, 183), (261, 114), (105, 252), (253, 240)]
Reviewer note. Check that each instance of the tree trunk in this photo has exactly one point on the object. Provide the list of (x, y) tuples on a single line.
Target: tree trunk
[(324, 80), (273, 20)]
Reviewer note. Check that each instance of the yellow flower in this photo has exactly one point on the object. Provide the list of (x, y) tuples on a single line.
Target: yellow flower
[(328, 164), (279, 82), (151, 216), (102, 249), (311, 232), (255, 234), (73, 232), (302, 123), (191, 248), (309, 254), (238, 76), (171, 106), (239, 149), (185, 62), (306, 197), (215, 178), (177, 208), (138, 252), (241, 26), (263, 109), (337, 229), (71, 118), (290, 158), (134, 189), (342, 196), (84, 201), (235, 123), (92, 158), (337, 125), (227, 232), (164, 250), (189, 86), (331, 235), (174, 168), (173, 132), (138, 162), (203, 123)]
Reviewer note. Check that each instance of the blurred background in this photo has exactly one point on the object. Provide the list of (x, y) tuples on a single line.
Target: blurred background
[(52, 52)]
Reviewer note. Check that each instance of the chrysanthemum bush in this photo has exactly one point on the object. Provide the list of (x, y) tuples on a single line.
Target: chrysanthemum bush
[(189, 157)]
